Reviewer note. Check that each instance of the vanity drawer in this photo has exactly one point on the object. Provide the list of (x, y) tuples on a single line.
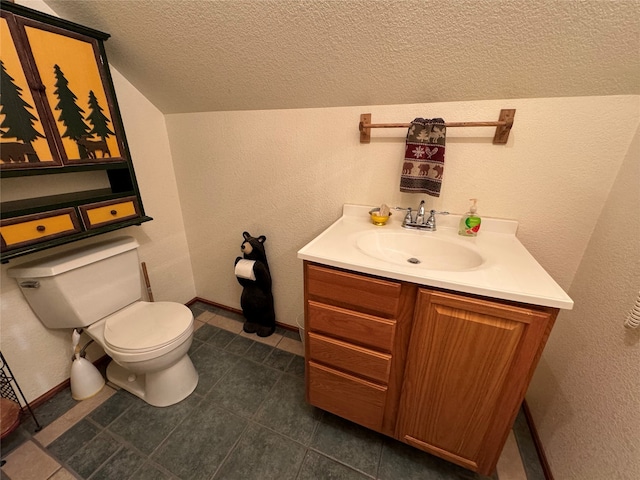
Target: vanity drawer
[(348, 325), (104, 213), (351, 358), (360, 401), (368, 294), (22, 231)]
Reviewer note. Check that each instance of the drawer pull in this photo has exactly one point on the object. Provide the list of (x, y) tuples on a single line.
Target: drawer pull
[(41, 228), (114, 212), (30, 284)]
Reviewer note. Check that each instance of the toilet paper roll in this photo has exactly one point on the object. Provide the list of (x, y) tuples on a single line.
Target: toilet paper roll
[(244, 269)]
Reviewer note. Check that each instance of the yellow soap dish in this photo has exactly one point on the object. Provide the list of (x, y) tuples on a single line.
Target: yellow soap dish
[(378, 219)]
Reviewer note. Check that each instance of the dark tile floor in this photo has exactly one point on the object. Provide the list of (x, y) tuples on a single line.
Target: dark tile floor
[(246, 420)]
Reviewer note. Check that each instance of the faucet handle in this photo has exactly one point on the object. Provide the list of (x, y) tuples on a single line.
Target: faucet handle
[(430, 223), (407, 218)]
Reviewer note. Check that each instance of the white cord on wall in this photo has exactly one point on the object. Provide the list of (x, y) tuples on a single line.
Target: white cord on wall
[(633, 318)]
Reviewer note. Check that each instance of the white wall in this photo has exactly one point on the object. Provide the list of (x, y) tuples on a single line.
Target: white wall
[(585, 396), (287, 173), (39, 357)]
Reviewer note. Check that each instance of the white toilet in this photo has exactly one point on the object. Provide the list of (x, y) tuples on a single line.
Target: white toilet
[(99, 288)]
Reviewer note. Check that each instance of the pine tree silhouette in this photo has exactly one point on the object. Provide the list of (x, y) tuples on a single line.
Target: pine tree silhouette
[(71, 115), (18, 120), (97, 119)]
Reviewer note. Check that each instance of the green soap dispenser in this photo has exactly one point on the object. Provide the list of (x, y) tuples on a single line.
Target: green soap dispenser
[(470, 222)]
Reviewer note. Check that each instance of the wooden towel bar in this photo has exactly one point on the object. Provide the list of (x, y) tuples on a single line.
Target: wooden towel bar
[(503, 126)]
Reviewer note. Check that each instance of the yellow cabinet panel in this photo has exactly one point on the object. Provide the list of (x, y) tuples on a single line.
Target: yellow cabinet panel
[(34, 228), (68, 69), (97, 215)]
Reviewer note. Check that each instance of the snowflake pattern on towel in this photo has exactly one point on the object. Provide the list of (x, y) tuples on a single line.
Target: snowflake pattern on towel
[(424, 157)]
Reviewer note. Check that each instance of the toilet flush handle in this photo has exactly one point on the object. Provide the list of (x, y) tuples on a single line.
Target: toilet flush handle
[(30, 284)]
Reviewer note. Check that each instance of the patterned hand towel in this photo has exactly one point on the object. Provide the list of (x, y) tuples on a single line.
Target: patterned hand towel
[(424, 157)]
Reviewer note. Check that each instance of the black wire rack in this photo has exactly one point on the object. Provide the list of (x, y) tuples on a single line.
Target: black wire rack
[(10, 389)]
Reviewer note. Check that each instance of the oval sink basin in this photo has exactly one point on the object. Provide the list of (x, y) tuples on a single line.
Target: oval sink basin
[(422, 251)]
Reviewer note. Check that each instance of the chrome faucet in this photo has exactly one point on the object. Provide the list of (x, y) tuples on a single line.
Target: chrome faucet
[(420, 223), (420, 216)]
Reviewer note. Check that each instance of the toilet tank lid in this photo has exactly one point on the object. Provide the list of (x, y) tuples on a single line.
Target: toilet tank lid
[(72, 259)]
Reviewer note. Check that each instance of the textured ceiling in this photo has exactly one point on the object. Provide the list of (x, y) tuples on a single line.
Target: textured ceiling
[(210, 55)]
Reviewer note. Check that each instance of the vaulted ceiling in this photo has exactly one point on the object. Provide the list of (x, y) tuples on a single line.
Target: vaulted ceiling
[(213, 55)]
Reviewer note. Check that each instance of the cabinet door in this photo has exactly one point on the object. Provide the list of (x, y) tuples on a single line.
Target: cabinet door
[(70, 68), (467, 369), (27, 139), (48, 70)]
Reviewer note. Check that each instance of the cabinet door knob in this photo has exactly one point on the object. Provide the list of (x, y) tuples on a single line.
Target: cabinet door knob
[(114, 212), (40, 228)]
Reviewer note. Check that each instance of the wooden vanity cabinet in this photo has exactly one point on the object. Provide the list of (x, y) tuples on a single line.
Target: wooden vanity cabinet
[(59, 116), (462, 364)]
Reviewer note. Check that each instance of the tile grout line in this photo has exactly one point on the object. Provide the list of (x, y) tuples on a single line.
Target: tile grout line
[(308, 449), (350, 467), (43, 450), (101, 430), (231, 450), (148, 459), (380, 458), (71, 417), (61, 463)]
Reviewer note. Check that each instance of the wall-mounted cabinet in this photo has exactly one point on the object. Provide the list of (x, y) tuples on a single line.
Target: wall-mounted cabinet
[(59, 115)]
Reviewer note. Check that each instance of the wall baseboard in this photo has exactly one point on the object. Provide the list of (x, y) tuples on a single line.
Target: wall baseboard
[(544, 463), (236, 310)]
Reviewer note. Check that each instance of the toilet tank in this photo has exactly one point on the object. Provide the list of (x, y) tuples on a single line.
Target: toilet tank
[(77, 288)]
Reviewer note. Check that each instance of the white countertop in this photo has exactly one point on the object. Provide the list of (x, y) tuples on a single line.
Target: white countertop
[(509, 271)]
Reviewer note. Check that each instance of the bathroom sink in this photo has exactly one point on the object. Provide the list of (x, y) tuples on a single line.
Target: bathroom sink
[(423, 250)]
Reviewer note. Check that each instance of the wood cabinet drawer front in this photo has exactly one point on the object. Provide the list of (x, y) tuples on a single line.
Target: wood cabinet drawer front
[(348, 325), (21, 231), (365, 293), (347, 396), (104, 213), (351, 358)]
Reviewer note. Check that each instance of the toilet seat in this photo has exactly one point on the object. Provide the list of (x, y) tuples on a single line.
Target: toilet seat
[(145, 327)]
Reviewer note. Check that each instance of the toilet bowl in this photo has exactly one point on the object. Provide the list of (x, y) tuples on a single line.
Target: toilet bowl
[(98, 288), (148, 343)]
